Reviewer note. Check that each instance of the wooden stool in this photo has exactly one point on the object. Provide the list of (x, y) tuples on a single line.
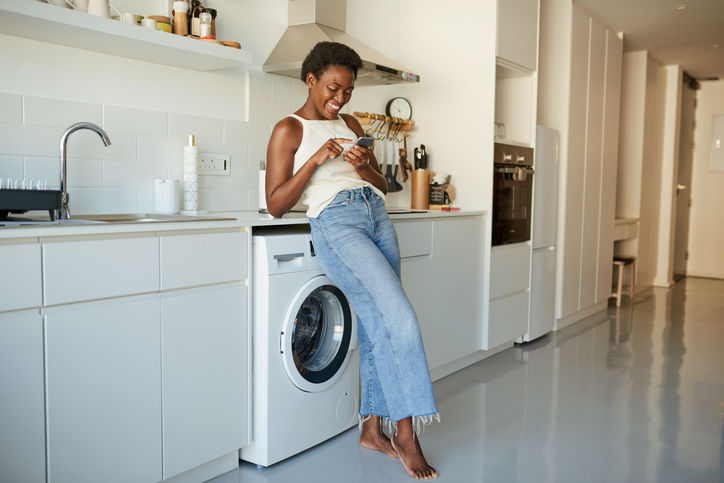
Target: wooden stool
[(620, 263)]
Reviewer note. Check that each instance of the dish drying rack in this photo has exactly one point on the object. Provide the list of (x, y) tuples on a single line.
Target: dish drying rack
[(17, 201)]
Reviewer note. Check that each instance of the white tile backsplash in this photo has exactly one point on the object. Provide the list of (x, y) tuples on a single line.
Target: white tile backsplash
[(103, 200), (144, 145), (29, 141), (11, 167), (11, 108), (89, 145), (240, 131), (120, 174), (42, 111), (135, 121), (204, 128), (45, 168)]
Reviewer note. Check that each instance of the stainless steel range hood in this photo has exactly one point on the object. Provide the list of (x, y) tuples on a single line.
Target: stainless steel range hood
[(312, 21)]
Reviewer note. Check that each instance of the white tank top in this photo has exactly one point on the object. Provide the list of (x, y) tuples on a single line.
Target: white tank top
[(334, 175)]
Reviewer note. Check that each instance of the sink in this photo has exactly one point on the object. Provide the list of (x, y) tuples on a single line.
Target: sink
[(112, 219)]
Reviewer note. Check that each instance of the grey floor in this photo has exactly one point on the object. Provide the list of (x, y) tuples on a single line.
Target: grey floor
[(637, 397)]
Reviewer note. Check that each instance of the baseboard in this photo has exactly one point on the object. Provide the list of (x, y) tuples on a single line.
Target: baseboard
[(207, 471), (666, 283), (580, 315), (689, 273)]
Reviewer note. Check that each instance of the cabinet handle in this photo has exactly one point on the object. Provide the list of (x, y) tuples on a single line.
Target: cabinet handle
[(288, 257)]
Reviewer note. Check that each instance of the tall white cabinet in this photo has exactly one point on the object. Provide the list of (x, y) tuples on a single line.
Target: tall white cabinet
[(579, 95)]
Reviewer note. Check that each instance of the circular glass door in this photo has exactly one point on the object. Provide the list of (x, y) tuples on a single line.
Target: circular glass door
[(316, 338)]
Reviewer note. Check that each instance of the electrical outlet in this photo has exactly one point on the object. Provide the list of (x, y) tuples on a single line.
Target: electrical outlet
[(214, 164)]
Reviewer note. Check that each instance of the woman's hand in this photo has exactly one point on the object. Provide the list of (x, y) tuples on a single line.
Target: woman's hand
[(358, 156), (330, 149)]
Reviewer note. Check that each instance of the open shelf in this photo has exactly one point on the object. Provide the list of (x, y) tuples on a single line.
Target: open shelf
[(47, 23)]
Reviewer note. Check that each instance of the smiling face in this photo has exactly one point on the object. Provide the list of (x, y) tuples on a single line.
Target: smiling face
[(329, 92)]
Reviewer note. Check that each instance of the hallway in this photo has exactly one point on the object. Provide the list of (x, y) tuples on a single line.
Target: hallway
[(637, 397)]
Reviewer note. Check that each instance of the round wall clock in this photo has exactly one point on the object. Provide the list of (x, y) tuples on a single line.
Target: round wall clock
[(399, 107)]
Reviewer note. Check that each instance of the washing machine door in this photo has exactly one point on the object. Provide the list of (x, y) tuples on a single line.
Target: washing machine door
[(317, 335)]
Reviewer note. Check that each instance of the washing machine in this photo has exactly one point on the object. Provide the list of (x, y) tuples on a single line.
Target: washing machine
[(305, 367)]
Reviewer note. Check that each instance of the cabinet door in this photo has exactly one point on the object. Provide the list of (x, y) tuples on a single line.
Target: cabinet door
[(518, 32), (22, 412), (614, 49), (593, 165), (445, 289), (572, 167), (103, 384), (20, 283), (205, 375)]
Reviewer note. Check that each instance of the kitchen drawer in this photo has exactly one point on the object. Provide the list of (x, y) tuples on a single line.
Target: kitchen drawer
[(20, 283), (201, 259), (509, 269), (78, 270), (507, 319), (414, 237)]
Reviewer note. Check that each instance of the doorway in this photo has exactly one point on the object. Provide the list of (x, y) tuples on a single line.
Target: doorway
[(683, 180)]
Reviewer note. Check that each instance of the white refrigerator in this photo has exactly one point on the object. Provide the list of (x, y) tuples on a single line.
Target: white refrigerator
[(541, 312)]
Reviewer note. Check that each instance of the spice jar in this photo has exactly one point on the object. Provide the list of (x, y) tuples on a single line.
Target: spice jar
[(180, 17), (205, 26)]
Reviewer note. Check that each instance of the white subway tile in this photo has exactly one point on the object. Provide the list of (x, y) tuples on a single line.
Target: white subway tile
[(204, 128), (11, 167), (146, 200), (29, 141), (85, 173), (256, 152), (103, 201), (210, 181), (135, 121), (161, 149), (88, 145), (118, 174), (43, 111), (246, 132), (45, 169), (241, 176), (11, 108), (176, 171), (224, 199)]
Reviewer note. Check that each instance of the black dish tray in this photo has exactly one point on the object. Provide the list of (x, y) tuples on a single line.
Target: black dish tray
[(20, 201)]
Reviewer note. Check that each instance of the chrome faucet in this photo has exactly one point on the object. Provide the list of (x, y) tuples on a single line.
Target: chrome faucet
[(64, 212)]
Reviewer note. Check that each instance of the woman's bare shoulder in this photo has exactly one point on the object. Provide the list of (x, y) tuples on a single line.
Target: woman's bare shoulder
[(353, 124), (287, 131)]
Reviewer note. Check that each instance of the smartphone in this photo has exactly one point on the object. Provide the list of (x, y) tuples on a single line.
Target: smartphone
[(365, 142)]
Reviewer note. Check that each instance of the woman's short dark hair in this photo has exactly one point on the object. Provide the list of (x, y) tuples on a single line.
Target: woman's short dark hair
[(325, 54)]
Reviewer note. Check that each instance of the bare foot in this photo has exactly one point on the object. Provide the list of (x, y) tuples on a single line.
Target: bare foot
[(408, 448), (373, 438)]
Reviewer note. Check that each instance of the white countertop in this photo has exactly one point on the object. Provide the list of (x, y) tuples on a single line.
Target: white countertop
[(214, 220)]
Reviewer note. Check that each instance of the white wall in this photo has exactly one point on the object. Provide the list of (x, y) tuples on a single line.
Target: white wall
[(706, 225)]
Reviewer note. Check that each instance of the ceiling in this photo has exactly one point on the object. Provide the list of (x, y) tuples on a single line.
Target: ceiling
[(692, 37)]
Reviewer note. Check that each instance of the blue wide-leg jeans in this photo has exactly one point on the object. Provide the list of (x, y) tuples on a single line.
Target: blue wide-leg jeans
[(357, 248)]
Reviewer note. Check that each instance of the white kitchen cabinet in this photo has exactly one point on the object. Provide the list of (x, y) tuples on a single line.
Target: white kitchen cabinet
[(103, 390), (205, 375), (21, 277), (579, 91), (442, 273), (517, 40), (509, 294), (22, 408), (88, 269)]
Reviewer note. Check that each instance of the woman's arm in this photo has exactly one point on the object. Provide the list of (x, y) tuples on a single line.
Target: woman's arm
[(363, 159), (283, 187)]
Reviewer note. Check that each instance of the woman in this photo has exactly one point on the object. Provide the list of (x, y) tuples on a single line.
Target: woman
[(356, 245)]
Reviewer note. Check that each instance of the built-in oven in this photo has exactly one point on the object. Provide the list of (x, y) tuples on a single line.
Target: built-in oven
[(512, 193)]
